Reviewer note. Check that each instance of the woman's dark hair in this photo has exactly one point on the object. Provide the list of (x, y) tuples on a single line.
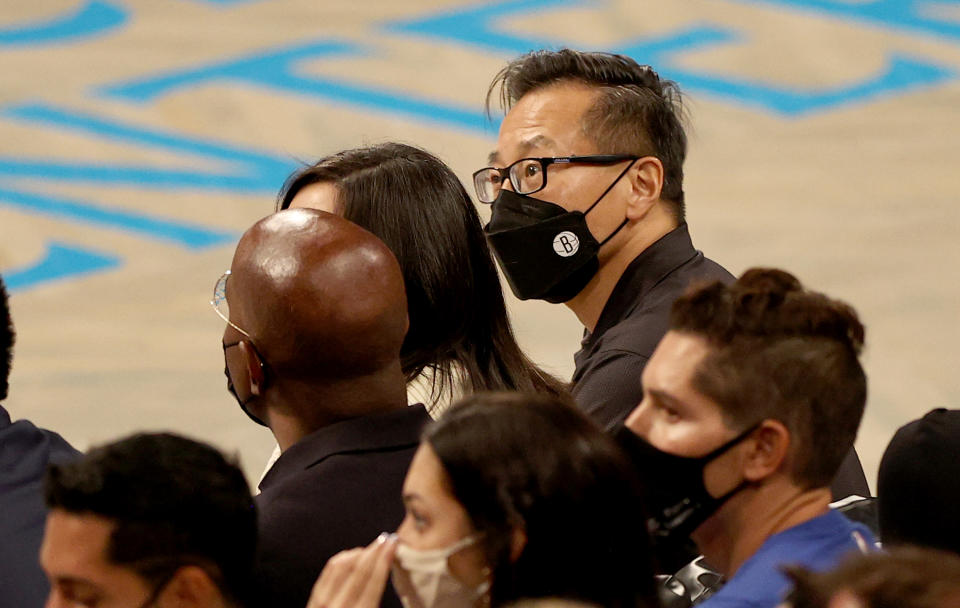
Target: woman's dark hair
[(414, 203), (535, 463)]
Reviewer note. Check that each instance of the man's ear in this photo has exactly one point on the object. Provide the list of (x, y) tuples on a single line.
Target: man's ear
[(254, 367), (646, 183), (770, 445), (191, 587)]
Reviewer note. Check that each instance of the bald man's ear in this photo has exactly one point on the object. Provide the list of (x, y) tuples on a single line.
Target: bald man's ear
[(254, 367), (190, 587), (769, 447), (646, 183)]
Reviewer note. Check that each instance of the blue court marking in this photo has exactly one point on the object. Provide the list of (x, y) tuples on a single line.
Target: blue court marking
[(480, 26), (277, 69), (246, 170), (184, 234), (91, 18), (60, 261), (477, 25), (899, 15)]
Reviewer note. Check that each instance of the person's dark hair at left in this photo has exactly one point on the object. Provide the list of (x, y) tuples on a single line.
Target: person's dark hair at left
[(174, 502), (7, 338), (413, 202), (536, 464), (783, 352), (906, 577)]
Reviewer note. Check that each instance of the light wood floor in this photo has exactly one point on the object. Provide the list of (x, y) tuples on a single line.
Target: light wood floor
[(139, 138)]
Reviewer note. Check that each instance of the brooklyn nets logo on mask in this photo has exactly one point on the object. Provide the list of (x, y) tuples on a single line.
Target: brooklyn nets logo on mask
[(566, 244)]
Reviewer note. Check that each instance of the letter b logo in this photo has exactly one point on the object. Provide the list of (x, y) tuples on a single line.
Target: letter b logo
[(566, 244)]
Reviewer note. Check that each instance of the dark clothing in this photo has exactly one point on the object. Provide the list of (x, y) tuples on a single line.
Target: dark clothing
[(919, 483), (335, 489), (606, 381), (25, 451)]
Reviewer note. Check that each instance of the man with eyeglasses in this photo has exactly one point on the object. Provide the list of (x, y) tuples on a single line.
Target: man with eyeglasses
[(586, 188), (149, 521), (316, 314)]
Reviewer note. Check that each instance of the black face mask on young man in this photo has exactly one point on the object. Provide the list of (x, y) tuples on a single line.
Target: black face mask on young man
[(545, 252), (675, 495)]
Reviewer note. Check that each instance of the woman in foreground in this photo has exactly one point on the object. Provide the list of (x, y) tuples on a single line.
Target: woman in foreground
[(509, 497)]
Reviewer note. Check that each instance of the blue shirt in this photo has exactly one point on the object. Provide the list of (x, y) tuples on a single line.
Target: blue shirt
[(818, 544)]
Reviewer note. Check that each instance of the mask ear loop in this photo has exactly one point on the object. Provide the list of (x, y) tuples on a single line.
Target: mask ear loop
[(610, 187), (605, 192)]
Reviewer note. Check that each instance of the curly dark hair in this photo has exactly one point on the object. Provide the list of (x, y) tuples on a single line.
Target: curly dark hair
[(783, 352)]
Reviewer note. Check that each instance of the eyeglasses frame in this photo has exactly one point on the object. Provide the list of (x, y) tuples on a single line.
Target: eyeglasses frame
[(546, 161)]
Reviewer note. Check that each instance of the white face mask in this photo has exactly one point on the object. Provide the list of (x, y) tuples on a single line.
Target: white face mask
[(423, 579)]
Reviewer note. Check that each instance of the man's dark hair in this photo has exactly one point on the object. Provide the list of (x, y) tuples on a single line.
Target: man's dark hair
[(918, 483), (782, 352), (636, 112), (536, 463), (7, 338), (174, 502)]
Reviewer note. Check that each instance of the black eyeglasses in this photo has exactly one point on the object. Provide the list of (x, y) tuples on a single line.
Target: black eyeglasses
[(529, 175)]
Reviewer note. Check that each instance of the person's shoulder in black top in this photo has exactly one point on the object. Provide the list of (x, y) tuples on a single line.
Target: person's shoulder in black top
[(606, 382), (25, 452)]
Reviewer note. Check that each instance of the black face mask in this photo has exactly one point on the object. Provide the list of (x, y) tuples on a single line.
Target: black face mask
[(675, 496), (233, 391), (545, 252)]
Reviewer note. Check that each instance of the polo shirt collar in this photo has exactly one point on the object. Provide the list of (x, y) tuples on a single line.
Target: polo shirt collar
[(654, 263), (389, 430)]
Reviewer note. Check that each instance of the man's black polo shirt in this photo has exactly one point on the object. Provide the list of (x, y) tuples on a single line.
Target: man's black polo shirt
[(606, 382), (335, 489)]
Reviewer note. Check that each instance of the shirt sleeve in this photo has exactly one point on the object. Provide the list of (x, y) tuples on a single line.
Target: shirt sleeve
[(610, 388)]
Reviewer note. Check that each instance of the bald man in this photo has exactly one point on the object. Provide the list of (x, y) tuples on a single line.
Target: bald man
[(316, 314)]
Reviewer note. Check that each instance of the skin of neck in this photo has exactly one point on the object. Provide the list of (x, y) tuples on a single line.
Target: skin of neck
[(296, 408), (733, 534), (615, 256)]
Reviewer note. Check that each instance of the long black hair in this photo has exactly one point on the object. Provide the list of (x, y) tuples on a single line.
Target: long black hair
[(534, 463), (414, 203)]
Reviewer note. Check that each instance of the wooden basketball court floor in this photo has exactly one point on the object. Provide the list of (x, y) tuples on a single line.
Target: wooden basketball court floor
[(139, 138)]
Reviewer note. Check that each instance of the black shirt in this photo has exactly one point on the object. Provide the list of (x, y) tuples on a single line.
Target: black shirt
[(336, 489), (25, 452), (606, 381)]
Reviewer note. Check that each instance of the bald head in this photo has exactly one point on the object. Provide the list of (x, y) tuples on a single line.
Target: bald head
[(321, 297)]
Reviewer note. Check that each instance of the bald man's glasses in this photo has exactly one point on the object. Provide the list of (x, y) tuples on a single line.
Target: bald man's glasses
[(219, 302)]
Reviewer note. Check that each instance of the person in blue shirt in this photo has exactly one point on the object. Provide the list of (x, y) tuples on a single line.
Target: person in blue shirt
[(750, 403), (25, 451)]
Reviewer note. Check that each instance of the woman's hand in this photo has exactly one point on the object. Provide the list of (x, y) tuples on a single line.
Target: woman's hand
[(355, 578)]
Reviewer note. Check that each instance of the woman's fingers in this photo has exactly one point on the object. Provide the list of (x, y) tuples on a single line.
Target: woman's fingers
[(366, 583), (333, 577), (372, 592), (355, 578)]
